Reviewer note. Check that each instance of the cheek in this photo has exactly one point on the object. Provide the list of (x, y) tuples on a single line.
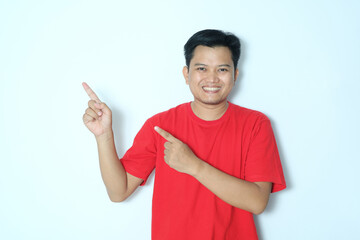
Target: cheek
[(193, 79), (228, 79), (230, 84)]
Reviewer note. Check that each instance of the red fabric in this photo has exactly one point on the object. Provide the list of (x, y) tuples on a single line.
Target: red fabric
[(240, 143)]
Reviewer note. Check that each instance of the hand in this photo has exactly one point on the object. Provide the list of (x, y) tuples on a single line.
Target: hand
[(178, 155), (97, 117)]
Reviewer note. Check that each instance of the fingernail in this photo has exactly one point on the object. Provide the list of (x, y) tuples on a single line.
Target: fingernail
[(99, 113)]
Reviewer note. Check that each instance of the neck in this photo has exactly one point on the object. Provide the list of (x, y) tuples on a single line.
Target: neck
[(209, 112)]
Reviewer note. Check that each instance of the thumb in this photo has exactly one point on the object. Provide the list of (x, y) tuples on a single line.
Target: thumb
[(103, 107)]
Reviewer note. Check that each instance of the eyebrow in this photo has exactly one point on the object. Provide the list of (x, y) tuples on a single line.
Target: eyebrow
[(225, 65), (221, 65)]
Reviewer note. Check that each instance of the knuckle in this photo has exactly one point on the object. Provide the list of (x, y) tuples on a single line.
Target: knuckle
[(89, 111), (87, 118), (90, 103)]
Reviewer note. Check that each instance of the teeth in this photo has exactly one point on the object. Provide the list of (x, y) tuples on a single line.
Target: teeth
[(211, 88)]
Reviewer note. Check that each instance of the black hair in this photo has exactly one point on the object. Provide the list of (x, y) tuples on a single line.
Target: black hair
[(213, 38)]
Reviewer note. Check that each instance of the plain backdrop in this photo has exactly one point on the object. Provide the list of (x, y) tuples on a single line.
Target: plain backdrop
[(299, 66)]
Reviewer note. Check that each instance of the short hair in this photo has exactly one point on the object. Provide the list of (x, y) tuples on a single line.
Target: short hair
[(213, 38)]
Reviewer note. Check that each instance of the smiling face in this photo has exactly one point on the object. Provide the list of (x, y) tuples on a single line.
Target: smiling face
[(210, 75)]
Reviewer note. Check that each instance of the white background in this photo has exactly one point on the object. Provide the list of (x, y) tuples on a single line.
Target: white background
[(300, 66)]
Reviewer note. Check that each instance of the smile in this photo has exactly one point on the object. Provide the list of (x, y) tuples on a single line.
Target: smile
[(211, 89)]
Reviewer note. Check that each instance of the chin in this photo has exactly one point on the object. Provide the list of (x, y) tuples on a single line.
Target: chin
[(212, 101)]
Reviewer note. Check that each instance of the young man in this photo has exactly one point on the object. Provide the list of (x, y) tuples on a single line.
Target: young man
[(216, 162)]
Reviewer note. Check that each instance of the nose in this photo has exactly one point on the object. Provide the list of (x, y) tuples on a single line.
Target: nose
[(213, 76)]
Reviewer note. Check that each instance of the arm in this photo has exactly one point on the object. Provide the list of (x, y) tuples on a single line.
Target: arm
[(119, 184), (252, 197), (98, 119)]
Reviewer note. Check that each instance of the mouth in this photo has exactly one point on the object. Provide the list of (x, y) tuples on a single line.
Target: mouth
[(211, 89)]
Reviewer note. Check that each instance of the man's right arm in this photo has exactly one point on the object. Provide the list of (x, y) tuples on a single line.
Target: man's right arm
[(98, 119), (119, 184)]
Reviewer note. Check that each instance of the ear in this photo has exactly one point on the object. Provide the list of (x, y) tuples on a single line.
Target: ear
[(236, 74), (186, 74)]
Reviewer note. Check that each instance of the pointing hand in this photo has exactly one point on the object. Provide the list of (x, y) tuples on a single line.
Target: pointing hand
[(178, 155), (97, 117)]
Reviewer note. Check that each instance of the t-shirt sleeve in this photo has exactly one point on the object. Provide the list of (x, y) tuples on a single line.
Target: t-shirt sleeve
[(263, 161), (140, 159)]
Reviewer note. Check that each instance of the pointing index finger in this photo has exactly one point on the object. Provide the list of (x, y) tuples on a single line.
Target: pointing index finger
[(165, 134), (90, 92)]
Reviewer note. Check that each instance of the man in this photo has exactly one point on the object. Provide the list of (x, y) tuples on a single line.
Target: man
[(216, 162)]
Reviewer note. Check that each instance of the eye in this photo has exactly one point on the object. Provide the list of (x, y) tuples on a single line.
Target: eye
[(201, 69), (223, 70)]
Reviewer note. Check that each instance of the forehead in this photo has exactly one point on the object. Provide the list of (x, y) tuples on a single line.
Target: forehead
[(211, 55)]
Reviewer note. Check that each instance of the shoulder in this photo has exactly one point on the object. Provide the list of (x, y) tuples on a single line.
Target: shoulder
[(254, 122), (170, 114), (248, 114)]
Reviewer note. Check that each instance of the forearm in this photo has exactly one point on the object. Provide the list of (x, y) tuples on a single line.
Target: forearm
[(112, 171), (252, 197)]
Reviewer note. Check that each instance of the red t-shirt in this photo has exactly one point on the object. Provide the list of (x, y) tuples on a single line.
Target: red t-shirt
[(241, 143)]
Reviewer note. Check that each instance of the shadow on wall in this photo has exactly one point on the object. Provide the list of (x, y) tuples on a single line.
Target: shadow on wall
[(272, 205), (236, 89)]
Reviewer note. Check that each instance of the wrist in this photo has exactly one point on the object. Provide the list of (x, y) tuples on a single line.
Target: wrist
[(198, 168), (105, 137)]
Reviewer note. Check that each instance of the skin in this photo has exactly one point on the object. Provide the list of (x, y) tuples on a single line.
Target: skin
[(98, 119), (211, 76)]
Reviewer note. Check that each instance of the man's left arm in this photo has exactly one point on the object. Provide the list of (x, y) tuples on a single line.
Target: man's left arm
[(249, 196)]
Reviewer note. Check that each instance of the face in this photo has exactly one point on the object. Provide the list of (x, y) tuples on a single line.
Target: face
[(210, 75)]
